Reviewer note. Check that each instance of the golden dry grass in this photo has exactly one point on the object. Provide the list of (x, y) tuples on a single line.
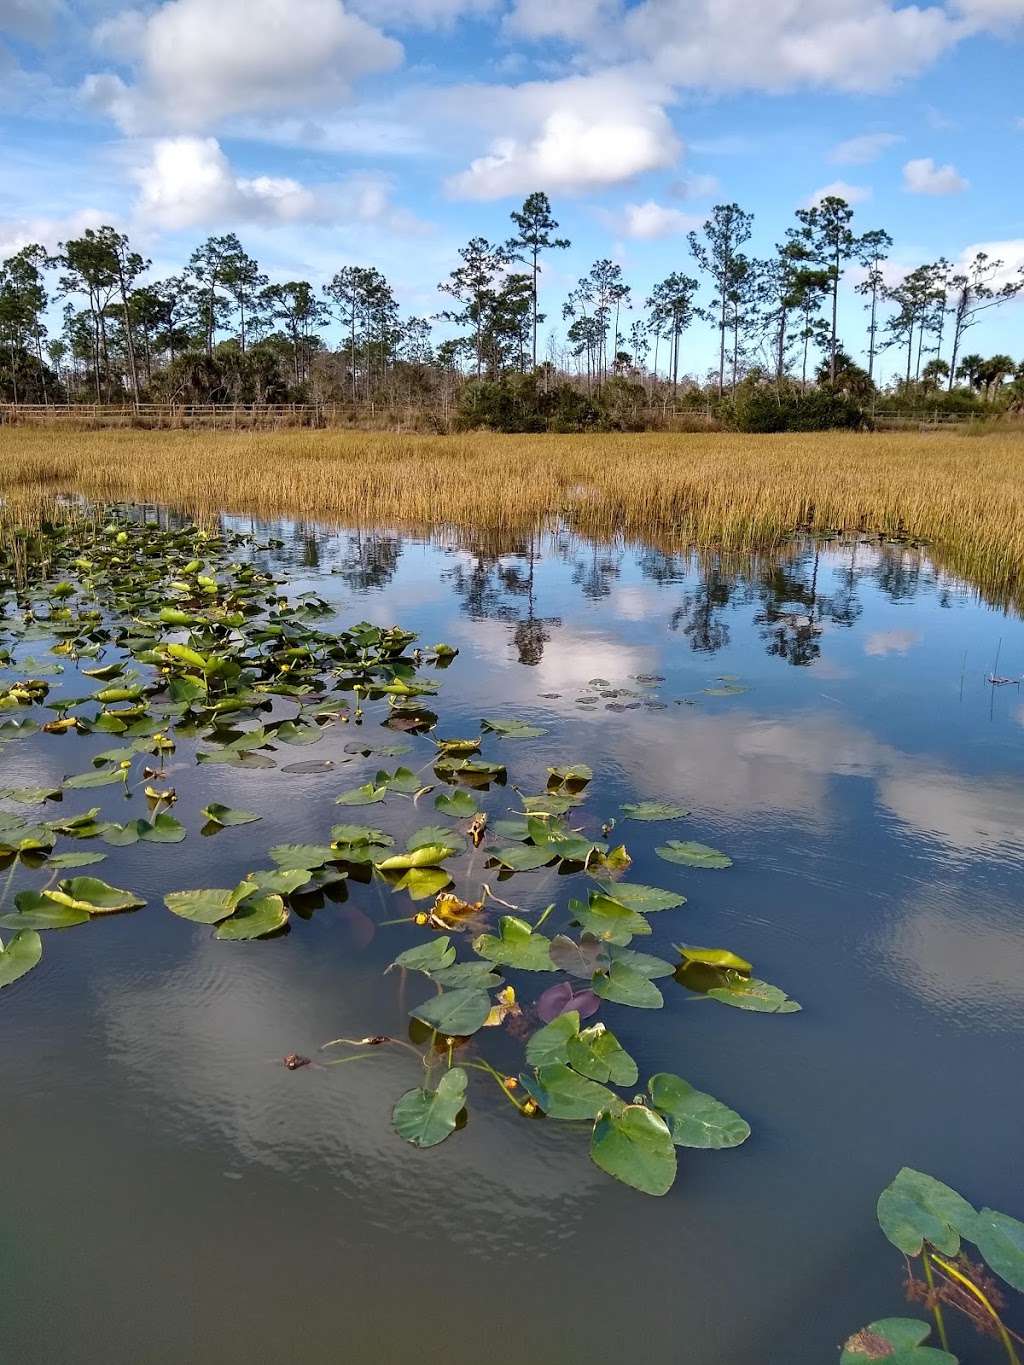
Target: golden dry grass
[(963, 494)]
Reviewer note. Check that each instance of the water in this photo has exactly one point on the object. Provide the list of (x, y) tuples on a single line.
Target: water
[(172, 1193)]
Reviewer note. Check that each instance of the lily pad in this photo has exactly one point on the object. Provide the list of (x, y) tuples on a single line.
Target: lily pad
[(916, 1208), (254, 918), (562, 999), (625, 986), (20, 954), (653, 810), (523, 857), (760, 997), (429, 957), (597, 1053), (694, 1118), (516, 945), (551, 1043), (455, 1014), (715, 957), (95, 896), (224, 815), (633, 1144), (1000, 1239), (207, 906), (896, 1340), (513, 729), (564, 1094), (458, 804), (692, 854), (607, 919), (423, 882), (367, 795), (581, 959), (644, 899), (37, 911), (427, 1117)]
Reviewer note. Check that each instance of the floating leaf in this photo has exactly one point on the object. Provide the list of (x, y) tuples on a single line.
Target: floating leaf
[(312, 765), (479, 975), (427, 1117), (562, 998), (896, 1340), (581, 959), (436, 834), (103, 778), (37, 911), (456, 1014), (564, 1094), (551, 1043), (523, 857), (207, 906), (459, 804), (516, 945), (254, 918), (73, 859), (163, 830), (307, 856), (916, 1208), (224, 815), (366, 795), (644, 899), (573, 778), (607, 919), (423, 882), (1000, 1239), (93, 895), (645, 963), (633, 1144), (429, 855), (513, 729), (597, 1053), (428, 957), (692, 854), (760, 997), (20, 955), (653, 810), (715, 957), (695, 1119), (624, 986)]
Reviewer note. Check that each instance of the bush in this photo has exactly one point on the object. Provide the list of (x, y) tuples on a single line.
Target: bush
[(760, 406)]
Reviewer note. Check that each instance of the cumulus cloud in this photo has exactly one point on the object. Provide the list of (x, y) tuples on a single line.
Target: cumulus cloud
[(840, 189), (859, 151), (582, 133), (696, 186), (16, 233), (202, 61), (189, 181), (570, 20), (1009, 251), (422, 13), (651, 220), (923, 176)]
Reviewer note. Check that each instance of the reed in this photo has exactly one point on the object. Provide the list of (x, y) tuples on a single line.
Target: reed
[(963, 494)]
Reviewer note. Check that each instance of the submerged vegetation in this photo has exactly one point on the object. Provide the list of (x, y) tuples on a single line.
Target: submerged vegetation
[(964, 495), (174, 641), (929, 1222)]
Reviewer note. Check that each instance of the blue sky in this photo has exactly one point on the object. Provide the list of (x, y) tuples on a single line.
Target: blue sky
[(387, 132)]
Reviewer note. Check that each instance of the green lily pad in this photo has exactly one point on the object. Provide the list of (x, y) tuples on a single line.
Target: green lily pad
[(516, 945), (760, 997), (428, 957), (597, 1053), (207, 906), (633, 1144), (581, 959), (427, 1117), (19, 955), (254, 918), (54, 860), (301, 855), (645, 963), (624, 986), (455, 1014), (550, 1044), (37, 911), (436, 835), (644, 899), (1000, 1239), (895, 1340), (564, 1094), (692, 854), (103, 778), (608, 920), (916, 1208), (513, 729), (429, 855), (573, 777), (423, 882), (163, 830), (224, 815), (93, 895), (694, 1118), (366, 795), (458, 804), (715, 957), (523, 857), (653, 810), (480, 975)]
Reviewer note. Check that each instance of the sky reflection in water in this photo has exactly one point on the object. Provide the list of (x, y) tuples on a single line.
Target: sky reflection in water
[(174, 1194)]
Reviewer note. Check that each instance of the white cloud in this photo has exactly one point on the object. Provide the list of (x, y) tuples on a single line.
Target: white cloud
[(202, 61), (582, 133), (696, 186), (882, 642), (49, 232), (746, 44), (859, 151), (1010, 252), (651, 220), (30, 19), (189, 181), (841, 189), (992, 13), (922, 176)]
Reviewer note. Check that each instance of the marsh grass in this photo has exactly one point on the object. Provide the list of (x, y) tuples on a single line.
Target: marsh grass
[(963, 494)]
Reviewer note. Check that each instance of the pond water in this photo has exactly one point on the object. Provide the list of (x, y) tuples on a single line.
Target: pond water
[(173, 1193)]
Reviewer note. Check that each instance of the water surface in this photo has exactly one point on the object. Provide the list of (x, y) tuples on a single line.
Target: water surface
[(172, 1193)]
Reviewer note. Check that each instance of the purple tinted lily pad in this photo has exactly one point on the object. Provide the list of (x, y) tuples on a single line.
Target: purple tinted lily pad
[(560, 999)]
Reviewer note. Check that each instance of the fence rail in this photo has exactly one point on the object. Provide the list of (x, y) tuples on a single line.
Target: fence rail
[(396, 415)]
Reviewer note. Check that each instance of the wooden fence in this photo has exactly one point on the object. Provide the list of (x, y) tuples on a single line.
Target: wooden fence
[(370, 415)]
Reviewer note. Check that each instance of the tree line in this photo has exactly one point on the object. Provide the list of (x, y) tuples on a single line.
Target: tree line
[(220, 331)]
